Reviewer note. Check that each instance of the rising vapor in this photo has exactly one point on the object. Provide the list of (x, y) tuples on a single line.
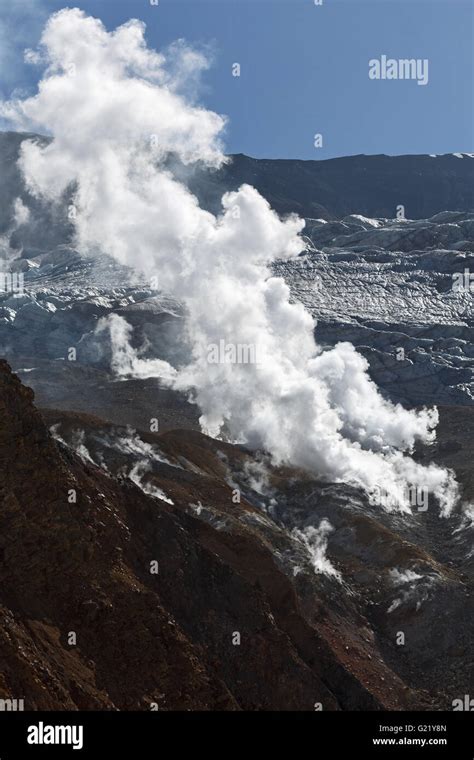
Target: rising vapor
[(116, 112)]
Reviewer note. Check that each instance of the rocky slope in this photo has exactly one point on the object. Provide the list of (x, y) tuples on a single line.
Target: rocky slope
[(317, 623), (370, 185)]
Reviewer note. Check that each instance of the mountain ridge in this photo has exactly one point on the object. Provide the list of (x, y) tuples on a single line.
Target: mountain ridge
[(371, 185)]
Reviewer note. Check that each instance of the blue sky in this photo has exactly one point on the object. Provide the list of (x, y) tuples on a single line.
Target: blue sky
[(304, 68)]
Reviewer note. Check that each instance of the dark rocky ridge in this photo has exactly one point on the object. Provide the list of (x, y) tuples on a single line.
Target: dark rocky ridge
[(369, 185), (223, 567)]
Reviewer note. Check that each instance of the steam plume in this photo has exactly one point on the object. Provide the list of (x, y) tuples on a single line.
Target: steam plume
[(115, 112)]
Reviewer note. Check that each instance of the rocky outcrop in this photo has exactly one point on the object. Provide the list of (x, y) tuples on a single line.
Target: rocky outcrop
[(86, 624), (235, 616), (79, 629), (373, 186)]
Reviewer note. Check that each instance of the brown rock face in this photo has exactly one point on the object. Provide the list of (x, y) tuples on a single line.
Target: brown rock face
[(114, 599), (63, 578)]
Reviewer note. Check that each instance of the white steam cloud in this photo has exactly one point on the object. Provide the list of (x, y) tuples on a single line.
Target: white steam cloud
[(126, 361), (315, 541), (116, 110)]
